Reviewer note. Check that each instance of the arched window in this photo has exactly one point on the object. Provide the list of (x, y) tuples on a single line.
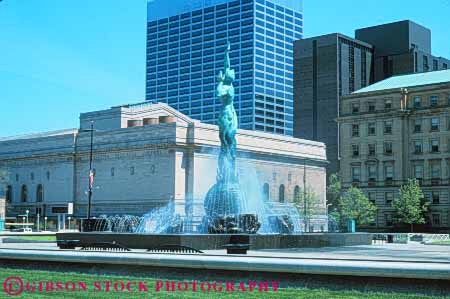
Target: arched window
[(39, 193), (9, 194), (266, 192), (281, 193), (24, 193), (296, 193)]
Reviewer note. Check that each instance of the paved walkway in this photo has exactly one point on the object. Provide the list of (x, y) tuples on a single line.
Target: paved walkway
[(386, 252), (388, 260)]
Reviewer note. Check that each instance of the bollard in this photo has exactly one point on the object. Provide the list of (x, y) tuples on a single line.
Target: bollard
[(351, 226)]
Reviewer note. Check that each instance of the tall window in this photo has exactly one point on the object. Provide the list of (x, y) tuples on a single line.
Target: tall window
[(371, 107), (355, 108), (417, 125), (24, 193), (435, 124), (418, 147), (355, 150), (9, 194), (296, 192), (266, 192), (436, 219), (389, 172), (372, 171), (435, 197), (418, 172), (417, 102), (356, 173), (39, 193), (281, 193), (435, 145), (388, 127), (355, 130), (388, 196), (371, 129), (387, 104), (388, 148), (435, 170), (434, 101), (388, 219), (371, 148)]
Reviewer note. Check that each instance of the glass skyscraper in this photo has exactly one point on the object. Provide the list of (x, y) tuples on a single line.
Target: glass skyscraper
[(185, 48)]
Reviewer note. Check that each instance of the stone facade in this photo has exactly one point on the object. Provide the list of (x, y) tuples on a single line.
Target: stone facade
[(391, 135), (144, 166)]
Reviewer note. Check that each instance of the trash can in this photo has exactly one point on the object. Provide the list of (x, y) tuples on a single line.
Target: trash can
[(351, 226), (390, 238), (2, 224)]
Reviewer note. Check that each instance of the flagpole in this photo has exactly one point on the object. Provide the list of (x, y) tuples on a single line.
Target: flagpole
[(91, 179)]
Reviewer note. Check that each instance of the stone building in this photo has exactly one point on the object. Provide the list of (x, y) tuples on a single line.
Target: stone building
[(397, 129), (330, 66), (145, 155)]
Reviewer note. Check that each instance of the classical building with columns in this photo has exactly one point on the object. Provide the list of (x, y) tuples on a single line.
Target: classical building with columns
[(144, 155), (394, 130)]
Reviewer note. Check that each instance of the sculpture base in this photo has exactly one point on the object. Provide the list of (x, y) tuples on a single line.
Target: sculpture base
[(223, 199), (232, 224)]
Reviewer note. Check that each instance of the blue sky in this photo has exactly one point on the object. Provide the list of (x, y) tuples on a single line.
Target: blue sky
[(61, 57)]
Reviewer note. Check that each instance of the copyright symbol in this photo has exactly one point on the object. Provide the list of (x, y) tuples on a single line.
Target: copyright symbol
[(13, 286)]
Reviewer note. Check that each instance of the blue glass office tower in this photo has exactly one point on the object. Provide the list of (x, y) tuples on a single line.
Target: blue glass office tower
[(185, 46)]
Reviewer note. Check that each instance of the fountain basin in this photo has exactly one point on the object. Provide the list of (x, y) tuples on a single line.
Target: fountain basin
[(217, 241)]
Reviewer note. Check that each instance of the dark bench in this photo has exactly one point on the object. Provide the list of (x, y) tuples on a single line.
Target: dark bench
[(68, 244), (238, 244)]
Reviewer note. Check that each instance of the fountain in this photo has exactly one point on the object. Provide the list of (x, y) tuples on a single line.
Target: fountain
[(229, 207), (224, 201)]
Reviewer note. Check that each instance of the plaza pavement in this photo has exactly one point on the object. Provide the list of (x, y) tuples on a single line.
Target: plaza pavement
[(411, 260)]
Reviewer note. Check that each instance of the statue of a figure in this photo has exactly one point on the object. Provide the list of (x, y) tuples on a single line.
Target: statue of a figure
[(226, 170), (225, 204)]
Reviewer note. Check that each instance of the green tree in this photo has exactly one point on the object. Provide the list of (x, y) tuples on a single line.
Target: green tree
[(308, 205), (334, 190), (410, 205), (355, 205)]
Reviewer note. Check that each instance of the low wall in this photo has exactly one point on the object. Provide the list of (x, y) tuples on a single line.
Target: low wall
[(208, 242)]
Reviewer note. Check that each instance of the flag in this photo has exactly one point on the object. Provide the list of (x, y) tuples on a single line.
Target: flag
[(91, 178)]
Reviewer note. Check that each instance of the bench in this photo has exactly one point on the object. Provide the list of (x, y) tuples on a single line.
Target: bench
[(68, 244)]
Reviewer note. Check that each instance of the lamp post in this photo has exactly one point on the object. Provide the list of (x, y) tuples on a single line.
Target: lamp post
[(23, 221), (304, 196), (45, 223), (91, 174), (68, 218), (38, 216), (27, 211)]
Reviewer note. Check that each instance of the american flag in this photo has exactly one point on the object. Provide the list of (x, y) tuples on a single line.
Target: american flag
[(91, 178)]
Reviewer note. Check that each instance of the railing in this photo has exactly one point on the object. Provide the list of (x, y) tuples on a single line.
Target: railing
[(404, 238)]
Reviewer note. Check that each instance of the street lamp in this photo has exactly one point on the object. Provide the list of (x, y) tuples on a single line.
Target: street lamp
[(27, 211), (38, 216), (45, 223), (23, 221), (91, 173), (69, 221)]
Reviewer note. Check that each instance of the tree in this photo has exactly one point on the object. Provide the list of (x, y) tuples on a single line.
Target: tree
[(334, 190), (410, 206), (354, 205), (308, 205)]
